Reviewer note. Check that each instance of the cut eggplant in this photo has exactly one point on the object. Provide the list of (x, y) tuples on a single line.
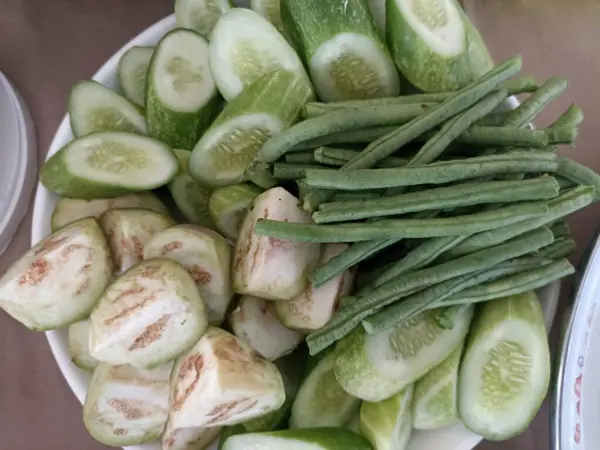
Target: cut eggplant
[(79, 346), (148, 316), (58, 281), (188, 438)]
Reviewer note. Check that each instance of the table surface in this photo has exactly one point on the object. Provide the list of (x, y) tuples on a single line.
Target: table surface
[(46, 46)]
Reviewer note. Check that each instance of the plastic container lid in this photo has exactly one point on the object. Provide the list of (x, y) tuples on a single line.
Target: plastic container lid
[(18, 160)]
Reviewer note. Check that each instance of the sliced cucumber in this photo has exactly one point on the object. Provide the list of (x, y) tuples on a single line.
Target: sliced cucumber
[(480, 59), (305, 439), (377, 10), (222, 381), (270, 10), (182, 99), (321, 401), (69, 210), (271, 268), (505, 373), (254, 322), (79, 346), (244, 47), (58, 281), (188, 438), (147, 316), (206, 255), (228, 205), (133, 71), (106, 165), (375, 367), (388, 424), (128, 231), (342, 48), (316, 306), (127, 406), (94, 108), (230, 431), (435, 400), (200, 15), (353, 423), (261, 111)]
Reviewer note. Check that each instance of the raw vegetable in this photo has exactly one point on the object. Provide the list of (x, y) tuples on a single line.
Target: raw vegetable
[(244, 47), (58, 281), (109, 164), (128, 231), (225, 150), (228, 205), (304, 439), (188, 438), (270, 10), (69, 210), (387, 424), (222, 381), (271, 268), (375, 367), (94, 108), (321, 401), (316, 306), (341, 46), (254, 322), (353, 423), (79, 346), (147, 316), (133, 70), (127, 406), (377, 10), (505, 373), (182, 98), (200, 15), (206, 256)]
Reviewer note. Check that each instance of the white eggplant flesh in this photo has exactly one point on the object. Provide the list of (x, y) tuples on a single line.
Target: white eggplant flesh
[(128, 230), (79, 346), (127, 406), (206, 255), (149, 315), (315, 307), (254, 322), (197, 438), (58, 281), (222, 381), (267, 267)]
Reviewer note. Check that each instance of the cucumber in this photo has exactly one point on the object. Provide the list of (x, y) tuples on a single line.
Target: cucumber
[(480, 59), (107, 165), (429, 42), (505, 373), (200, 15), (128, 231), (434, 405), (305, 439), (69, 210), (147, 316), (181, 99), (228, 205), (230, 431), (132, 73), (388, 424), (244, 47), (377, 10), (353, 423), (342, 48), (79, 346), (321, 401), (221, 381), (58, 281), (127, 406), (94, 108), (247, 122), (375, 367), (188, 438), (270, 10), (190, 196)]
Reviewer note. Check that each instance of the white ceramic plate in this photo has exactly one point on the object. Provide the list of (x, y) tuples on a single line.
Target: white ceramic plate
[(454, 437)]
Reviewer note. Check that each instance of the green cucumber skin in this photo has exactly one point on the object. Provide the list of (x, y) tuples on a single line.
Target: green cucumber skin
[(177, 185), (123, 82), (422, 67), (481, 60), (327, 438), (175, 128)]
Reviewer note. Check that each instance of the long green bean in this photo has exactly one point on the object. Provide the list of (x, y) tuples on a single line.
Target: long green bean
[(286, 171), (504, 136), (560, 229), (560, 248), (344, 196), (577, 173), (340, 156), (572, 117), (464, 194), (300, 158), (358, 136)]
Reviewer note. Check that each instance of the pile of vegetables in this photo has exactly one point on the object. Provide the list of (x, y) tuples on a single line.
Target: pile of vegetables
[(341, 262)]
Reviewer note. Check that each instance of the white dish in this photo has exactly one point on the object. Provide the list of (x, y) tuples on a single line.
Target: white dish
[(454, 437)]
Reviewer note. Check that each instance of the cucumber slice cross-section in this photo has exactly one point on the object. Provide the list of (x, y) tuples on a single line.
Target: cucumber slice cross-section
[(133, 68), (200, 15)]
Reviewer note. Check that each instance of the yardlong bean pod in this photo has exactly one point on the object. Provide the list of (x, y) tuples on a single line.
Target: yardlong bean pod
[(304, 157), (340, 156), (287, 171), (578, 173)]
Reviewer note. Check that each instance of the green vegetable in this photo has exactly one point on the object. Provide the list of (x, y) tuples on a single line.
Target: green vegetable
[(200, 15), (286, 171), (79, 346), (340, 156), (227, 207), (578, 174), (182, 98), (300, 158), (270, 10), (132, 71), (447, 317), (304, 439)]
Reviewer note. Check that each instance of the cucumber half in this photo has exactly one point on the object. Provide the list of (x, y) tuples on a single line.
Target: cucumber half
[(228, 205), (94, 108), (182, 98), (270, 10), (132, 71), (200, 15), (79, 346), (110, 164), (244, 47), (505, 373), (305, 439)]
